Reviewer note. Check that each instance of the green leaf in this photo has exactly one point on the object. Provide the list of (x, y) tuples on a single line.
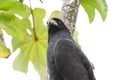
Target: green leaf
[(55, 13), (7, 0), (39, 15), (4, 51), (0, 30), (31, 49), (13, 25), (75, 37), (15, 7), (91, 5)]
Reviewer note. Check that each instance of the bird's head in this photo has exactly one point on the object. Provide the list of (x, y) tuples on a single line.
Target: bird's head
[(55, 25)]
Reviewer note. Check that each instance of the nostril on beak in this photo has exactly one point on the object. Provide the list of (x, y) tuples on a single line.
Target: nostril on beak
[(48, 22)]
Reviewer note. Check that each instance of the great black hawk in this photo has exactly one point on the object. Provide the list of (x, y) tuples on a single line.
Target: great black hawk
[(65, 59)]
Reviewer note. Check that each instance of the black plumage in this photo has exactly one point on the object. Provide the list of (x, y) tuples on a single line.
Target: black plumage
[(65, 59)]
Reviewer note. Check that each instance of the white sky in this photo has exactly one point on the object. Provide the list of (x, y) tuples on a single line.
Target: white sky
[(100, 42)]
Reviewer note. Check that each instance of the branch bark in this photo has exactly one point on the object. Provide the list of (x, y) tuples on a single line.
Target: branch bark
[(69, 13)]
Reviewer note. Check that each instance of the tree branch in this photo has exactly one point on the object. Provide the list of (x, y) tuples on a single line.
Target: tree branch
[(69, 13)]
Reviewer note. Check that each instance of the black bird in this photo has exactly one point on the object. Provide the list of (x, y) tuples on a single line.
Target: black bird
[(65, 59)]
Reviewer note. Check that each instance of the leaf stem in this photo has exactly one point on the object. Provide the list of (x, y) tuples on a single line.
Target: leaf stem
[(21, 1), (34, 30)]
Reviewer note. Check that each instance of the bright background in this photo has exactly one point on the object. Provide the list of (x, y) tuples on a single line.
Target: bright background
[(99, 40)]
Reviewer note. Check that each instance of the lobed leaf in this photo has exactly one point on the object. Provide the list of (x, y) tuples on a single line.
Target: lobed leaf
[(15, 7), (7, 0), (55, 13), (13, 25), (4, 51), (39, 15), (31, 49), (91, 5)]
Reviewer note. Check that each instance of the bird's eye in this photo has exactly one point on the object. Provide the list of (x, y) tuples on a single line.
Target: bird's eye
[(58, 22)]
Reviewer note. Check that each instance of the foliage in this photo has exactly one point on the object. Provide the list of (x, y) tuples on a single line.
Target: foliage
[(31, 37), (4, 52), (91, 5), (30, 49), (12, 24), (55, 13)]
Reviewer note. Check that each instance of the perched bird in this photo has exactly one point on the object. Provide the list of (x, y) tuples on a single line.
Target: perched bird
[(65, 59)]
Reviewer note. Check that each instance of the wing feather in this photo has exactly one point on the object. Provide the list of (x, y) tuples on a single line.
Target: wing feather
[(71, 62)]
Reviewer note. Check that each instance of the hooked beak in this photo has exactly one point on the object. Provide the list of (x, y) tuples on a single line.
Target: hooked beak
[(51, 22)]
